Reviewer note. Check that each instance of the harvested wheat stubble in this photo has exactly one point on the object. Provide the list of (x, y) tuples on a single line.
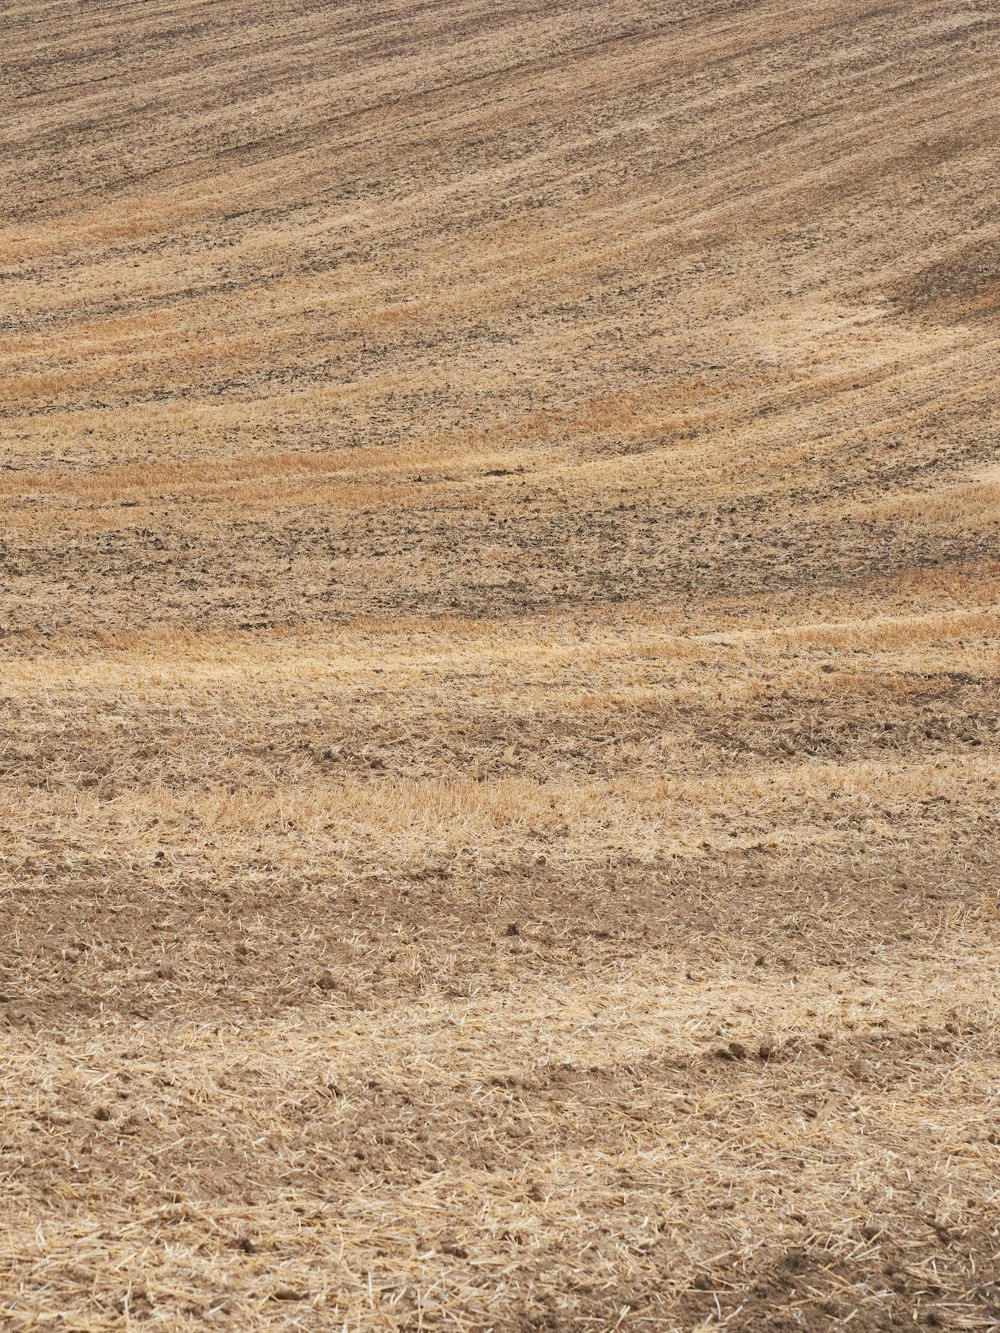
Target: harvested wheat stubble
[(499, 662)]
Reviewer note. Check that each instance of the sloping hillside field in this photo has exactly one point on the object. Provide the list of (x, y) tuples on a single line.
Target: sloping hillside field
[(499, 664)]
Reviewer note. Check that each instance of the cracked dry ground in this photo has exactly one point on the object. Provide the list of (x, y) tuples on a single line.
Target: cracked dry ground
[(499, 665)]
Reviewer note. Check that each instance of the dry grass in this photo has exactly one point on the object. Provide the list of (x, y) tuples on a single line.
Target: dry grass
[(500, 667)]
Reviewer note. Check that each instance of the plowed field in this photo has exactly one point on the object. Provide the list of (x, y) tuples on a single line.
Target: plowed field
[(499, 665)]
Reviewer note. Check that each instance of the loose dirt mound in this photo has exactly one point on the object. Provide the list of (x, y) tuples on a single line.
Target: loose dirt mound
[(965, 285)]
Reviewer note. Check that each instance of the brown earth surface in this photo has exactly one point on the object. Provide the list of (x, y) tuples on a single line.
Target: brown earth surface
[(499, 666)]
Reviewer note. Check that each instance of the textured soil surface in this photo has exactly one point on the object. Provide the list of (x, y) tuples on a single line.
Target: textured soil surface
[(499, 665)]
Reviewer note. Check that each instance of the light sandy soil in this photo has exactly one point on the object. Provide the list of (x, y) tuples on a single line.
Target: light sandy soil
[(499, 635)]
